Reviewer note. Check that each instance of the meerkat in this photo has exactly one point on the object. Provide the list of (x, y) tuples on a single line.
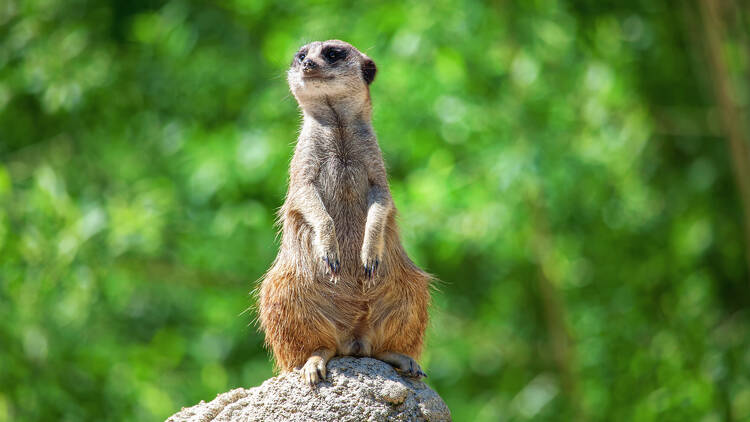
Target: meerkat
[(342, 283)]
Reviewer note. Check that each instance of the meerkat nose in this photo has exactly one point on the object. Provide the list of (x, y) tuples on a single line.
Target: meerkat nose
[(309, 65)]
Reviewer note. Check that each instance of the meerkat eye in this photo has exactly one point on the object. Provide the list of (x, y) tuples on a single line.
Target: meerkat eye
[(333, 55)]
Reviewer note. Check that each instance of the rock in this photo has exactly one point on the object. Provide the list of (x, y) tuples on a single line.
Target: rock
[(356, 389)]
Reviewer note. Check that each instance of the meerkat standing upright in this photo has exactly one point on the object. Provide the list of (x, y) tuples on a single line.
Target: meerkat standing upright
[(342, 283)]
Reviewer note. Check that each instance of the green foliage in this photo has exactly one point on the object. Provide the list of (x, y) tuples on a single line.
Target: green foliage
[(558, 166)]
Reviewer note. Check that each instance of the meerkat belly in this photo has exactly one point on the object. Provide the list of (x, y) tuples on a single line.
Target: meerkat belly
[(344, 193)]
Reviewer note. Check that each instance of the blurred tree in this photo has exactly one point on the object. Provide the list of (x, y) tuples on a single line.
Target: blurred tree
[(730, 118)]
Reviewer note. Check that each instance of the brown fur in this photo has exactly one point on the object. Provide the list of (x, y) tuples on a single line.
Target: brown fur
[(371, 300)]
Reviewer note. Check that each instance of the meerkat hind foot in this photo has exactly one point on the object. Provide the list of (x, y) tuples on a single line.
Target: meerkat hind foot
[(402, 363), (314, 370)]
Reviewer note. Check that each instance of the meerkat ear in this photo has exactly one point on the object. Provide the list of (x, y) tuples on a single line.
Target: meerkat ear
[(368, 69)]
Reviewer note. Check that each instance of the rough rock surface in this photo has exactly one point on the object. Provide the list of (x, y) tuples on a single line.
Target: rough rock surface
[(356, 389)]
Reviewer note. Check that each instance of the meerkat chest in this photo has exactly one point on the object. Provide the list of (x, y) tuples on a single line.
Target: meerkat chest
[(344, 174)]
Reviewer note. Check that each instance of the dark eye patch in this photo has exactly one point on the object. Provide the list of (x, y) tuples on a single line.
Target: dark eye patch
[(333, 54)]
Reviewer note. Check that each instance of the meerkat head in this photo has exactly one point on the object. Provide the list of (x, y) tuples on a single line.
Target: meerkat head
[(330, 69)]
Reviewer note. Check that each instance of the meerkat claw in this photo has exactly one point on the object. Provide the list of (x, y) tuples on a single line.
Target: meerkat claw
[(314, 371), (331, 265), (414, 369), (371, 268)]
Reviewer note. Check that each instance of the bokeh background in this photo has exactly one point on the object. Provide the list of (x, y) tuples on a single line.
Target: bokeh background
[(571, 171)]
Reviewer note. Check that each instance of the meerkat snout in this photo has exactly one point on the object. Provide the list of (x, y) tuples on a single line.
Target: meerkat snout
[(308, 66)]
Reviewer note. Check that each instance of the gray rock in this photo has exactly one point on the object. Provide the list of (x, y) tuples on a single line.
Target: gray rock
[(356, 389)]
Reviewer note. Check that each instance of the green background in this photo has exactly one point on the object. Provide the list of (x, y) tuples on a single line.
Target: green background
[(559, 166)]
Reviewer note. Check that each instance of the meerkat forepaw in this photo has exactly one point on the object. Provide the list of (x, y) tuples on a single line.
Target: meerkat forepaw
[(371, 266), (328, 249), (333, 265), (314, 370), (371, 261)]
